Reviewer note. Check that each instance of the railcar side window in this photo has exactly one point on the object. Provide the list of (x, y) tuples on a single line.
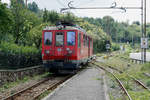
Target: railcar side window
[(79, 40), (87, 41), (59, 39), (48, 38), (70, 38), (84, 40), (90, 42)]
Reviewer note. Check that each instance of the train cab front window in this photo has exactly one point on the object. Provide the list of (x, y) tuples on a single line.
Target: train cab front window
[(48, 38), (59, 39), (71, 38)]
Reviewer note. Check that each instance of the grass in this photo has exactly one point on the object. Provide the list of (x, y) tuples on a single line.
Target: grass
[(121, 62), (25, 79), (44, 94), (140, 95)]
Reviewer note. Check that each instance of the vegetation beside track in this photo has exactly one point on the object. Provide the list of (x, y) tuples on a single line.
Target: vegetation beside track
[(13, 56), (24, 80), (121, 61)]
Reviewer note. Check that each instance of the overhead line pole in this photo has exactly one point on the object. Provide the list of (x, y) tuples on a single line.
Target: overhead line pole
[(145, 29), (142, 31), (26, 3)]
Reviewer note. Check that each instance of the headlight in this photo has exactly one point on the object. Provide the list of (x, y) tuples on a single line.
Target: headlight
[(42, 55), (47, 51), (70, 52), (67, 49)]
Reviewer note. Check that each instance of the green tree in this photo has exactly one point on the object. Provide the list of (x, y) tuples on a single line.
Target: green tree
[(136, 22), (134, 33), (34, 37), (17, 11), (68, 17), (33, 7), (148, 29), (53, 17), (99, 36), (50, 16), (97, 21), (45, 15), (30, 21), (24, 20), (6, 20), (109, 26)]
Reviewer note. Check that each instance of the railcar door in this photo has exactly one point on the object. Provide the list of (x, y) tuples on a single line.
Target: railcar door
[(59, 44)]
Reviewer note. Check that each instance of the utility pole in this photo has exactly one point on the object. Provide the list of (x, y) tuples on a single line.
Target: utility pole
[(26, 3), (142, 50), (145, 29)]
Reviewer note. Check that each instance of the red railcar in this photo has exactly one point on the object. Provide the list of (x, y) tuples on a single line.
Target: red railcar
[(65, 47)]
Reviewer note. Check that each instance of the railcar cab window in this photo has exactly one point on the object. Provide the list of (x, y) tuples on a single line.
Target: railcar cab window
[(71, 38), (48, 38), (59, 39)]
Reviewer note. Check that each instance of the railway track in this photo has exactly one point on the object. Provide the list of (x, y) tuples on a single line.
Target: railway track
[(116, 78), (133, 78), (33, 92)]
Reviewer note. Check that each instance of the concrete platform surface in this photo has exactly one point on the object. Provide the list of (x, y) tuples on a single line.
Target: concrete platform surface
[(87, 85)]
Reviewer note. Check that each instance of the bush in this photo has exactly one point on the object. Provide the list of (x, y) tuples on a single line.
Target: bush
[(146, 67), (13, 56), (115, 47)]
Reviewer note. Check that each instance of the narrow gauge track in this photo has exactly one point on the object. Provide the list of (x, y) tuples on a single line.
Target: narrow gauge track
[(134, 79), (34, 91), (117, 79)]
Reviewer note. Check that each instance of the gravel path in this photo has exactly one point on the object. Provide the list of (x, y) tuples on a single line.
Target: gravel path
[(88, 85)]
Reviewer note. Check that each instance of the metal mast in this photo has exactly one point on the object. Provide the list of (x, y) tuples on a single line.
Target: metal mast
[(145, 29)]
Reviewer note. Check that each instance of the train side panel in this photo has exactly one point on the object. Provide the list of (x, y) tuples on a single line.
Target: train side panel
[(83, 48)]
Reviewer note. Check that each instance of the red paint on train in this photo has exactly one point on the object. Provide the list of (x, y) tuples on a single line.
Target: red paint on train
[(65, 47)]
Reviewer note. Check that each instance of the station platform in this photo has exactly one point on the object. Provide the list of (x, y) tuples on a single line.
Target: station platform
[(88, 84)]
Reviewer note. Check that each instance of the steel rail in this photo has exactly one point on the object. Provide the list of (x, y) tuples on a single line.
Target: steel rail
[(139, 82), (11, 97), (113, 68), (117, 79), (135, 80), (51, 87)]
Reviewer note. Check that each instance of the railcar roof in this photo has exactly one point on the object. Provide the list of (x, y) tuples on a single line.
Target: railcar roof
[(66, 28)]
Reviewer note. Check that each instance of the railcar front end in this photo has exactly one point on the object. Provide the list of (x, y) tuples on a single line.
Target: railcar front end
[(59, 49)]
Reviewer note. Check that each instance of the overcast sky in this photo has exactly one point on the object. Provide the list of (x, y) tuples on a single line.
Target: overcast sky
[(131, 15)]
